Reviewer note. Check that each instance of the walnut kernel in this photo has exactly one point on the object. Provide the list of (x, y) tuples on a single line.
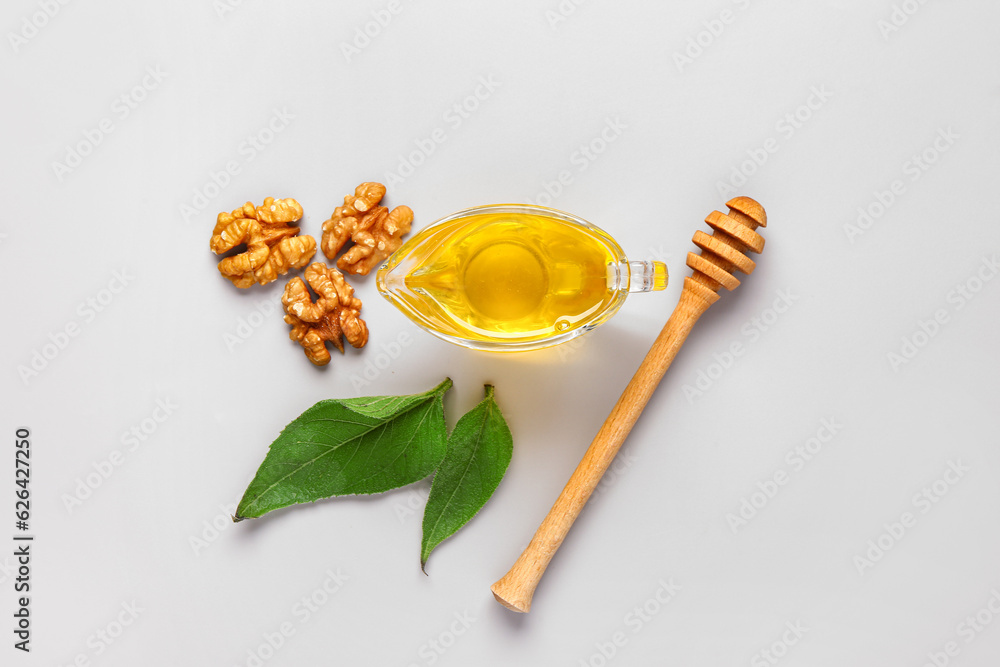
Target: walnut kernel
[(334, 315)]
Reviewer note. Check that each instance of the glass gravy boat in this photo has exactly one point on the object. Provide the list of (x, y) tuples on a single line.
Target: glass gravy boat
[(510, 277)]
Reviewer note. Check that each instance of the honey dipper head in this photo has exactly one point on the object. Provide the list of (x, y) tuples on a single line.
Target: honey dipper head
[(724, 251)]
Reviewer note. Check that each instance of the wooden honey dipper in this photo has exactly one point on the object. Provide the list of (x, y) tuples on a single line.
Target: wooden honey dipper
[(722, 253)]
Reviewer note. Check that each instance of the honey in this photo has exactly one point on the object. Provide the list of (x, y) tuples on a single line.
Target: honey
[(510, 277)]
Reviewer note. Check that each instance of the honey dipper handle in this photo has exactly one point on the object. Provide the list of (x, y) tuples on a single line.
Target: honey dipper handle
[(516, 588)]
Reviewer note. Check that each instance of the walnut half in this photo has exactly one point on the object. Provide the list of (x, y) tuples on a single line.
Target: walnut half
[(273, 247), (334, 315), (375, 231)]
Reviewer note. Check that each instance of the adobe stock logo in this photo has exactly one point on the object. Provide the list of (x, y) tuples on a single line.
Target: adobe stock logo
[(796, 458), (223, 7), (712, 30), (779, 648), (914, 168), (212, 529), (253, 145), (926, 330), (387, 354), (584, 155), (103, 638), (248, 325), (923, 501), (371, 30), (786, 127), (435, 647), (32, 25), (562, 12), (455, 116), (752, 330), (635, 620), (88, 310), (132, 439), (305, 608), (121, 109), (967, 631), (899, 17)]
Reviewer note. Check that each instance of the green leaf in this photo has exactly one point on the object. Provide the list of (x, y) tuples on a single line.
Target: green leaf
[(479, 451), (350, 446)]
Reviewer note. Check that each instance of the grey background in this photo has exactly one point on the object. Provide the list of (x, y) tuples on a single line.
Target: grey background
[(691, 460)]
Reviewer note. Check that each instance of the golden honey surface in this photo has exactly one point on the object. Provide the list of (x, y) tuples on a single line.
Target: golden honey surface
[(503, 277)]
